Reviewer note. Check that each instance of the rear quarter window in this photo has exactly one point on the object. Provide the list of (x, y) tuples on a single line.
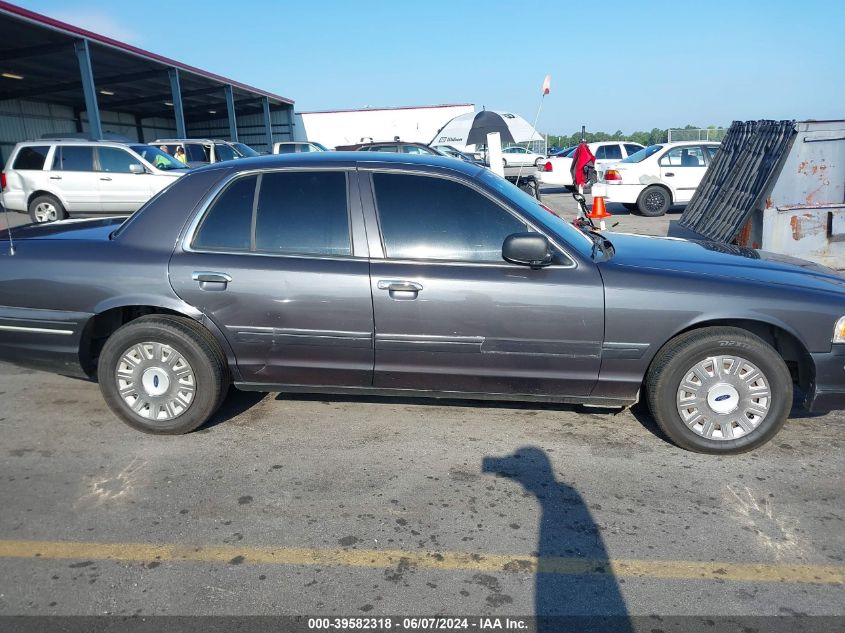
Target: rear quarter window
[(31, 157)]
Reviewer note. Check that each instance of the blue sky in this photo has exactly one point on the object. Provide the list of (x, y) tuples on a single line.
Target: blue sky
[(615, 65)]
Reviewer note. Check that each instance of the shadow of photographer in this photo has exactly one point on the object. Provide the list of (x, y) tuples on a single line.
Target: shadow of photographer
[(575, 589)]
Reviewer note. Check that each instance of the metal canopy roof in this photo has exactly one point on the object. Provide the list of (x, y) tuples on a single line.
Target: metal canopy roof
[(41, 51)]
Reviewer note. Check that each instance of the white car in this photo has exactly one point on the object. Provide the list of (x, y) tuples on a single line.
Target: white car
[(199, 152), (52, 179), (295, 147), (652, 180), (517, 156), (555, 170)]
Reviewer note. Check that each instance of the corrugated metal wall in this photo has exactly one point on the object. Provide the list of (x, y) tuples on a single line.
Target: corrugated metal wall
[(24, 120), (250, 129)]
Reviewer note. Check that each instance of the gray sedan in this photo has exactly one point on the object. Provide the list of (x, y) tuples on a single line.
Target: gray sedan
[(421, 276)]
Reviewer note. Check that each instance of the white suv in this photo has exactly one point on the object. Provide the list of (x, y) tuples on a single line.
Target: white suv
[(52, 179)]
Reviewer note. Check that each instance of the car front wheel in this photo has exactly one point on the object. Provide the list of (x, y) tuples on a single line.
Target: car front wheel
[(719, 390), (46, 208), (654, 201), (162, 374)]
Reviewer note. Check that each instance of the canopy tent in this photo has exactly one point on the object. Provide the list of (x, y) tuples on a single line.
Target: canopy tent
[(456, 131)]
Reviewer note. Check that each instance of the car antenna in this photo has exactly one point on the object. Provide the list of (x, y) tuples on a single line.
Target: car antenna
[(9, 230)]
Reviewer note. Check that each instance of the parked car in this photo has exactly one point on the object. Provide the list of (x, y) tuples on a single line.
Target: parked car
[(454, 152), (555, 171), (653, 179), (395, 147), (293, 147), (561, 152), (199, 152), (517, 156), (53, 178), (414, 276)]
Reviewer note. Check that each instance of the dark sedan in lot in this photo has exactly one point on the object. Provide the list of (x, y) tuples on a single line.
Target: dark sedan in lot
[(413, 275)]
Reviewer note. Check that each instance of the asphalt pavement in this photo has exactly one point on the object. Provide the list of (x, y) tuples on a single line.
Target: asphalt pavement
[(323, 505)]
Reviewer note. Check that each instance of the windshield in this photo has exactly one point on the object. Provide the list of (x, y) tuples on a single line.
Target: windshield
[(244, 150), (535, 211), (638, 157), (157, 158)]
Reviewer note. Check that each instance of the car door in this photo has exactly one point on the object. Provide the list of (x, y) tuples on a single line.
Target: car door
[(122, 191), (682, 168), (73, 175), (452, 316), (279, 263)]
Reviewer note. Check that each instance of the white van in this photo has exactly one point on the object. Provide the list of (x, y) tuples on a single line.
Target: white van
[(52, 179)]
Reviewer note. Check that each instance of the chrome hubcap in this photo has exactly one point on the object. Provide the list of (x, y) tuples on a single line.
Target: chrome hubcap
[(46, 212), (155, 381), (723, 397)]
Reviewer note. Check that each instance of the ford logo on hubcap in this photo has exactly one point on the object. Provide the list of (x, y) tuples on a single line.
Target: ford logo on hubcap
[(718, 398), (155, 383)]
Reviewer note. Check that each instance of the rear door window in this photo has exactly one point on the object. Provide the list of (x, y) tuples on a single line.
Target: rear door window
[(115, 160), (609, 152), (227, 224), (31, 157), (195, 153), (632, 149), (74, 158), (301, 212)]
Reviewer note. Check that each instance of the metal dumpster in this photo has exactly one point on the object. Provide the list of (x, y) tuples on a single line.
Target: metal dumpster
[(780, 187)]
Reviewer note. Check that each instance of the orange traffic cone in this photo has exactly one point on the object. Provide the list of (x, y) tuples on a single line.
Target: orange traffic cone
[(599, 211)]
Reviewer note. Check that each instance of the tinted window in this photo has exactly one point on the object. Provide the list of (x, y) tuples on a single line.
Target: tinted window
[(415, 149), (632, 149), (303, 212), (433, 218), (712, 150), (384, 148), (287, 149), (609, 152), (196, 153), (31, 157), (74, 158), (641, 155), (228, 223), (224, 152), (115, 160)]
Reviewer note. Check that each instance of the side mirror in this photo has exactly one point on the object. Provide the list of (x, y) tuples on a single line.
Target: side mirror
[(527, 249), (137, 168)]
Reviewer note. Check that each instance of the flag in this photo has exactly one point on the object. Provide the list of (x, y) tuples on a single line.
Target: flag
[(547, 85)]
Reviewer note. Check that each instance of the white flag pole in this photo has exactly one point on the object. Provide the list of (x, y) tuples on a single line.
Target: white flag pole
[(546, 90)]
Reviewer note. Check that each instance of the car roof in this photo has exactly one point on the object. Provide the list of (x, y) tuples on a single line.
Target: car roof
[(187, 140), (345, 159), (78, 141), (680, 143)]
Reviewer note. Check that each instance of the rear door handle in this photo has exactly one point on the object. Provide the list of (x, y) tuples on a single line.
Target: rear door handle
[(55, 177), (211, 280), (105, 178), (670, 174), (400, 289)]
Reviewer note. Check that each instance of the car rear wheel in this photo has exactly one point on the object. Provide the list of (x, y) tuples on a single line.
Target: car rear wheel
[(719, 390), (163, 374), (654, 201), (539, 162), (46, 208)]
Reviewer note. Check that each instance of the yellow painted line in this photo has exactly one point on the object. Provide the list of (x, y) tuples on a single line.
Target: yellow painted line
[(442, 561)]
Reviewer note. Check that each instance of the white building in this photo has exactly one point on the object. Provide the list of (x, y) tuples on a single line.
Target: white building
[(345, 127)]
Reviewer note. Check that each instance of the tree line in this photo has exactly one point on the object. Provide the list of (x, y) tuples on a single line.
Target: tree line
[(656, 135)]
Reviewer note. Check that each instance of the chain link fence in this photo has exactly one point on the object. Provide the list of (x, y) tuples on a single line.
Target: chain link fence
[(703, 134)]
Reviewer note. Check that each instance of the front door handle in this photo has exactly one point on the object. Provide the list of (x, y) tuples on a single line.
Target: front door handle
[(105, 178), (55, 177), (211, 280), (400, 289), (670, 174)]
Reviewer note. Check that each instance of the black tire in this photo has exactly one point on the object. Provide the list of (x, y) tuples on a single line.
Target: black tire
[(504, 162), (46, 204), (654, 201), (676, 361), (632, 207), (194, 344), (539, 162)]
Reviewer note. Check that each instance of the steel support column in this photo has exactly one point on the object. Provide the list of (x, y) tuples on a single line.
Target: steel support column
[(230, 108), (89, 90), (268, 124), (176, 96)]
